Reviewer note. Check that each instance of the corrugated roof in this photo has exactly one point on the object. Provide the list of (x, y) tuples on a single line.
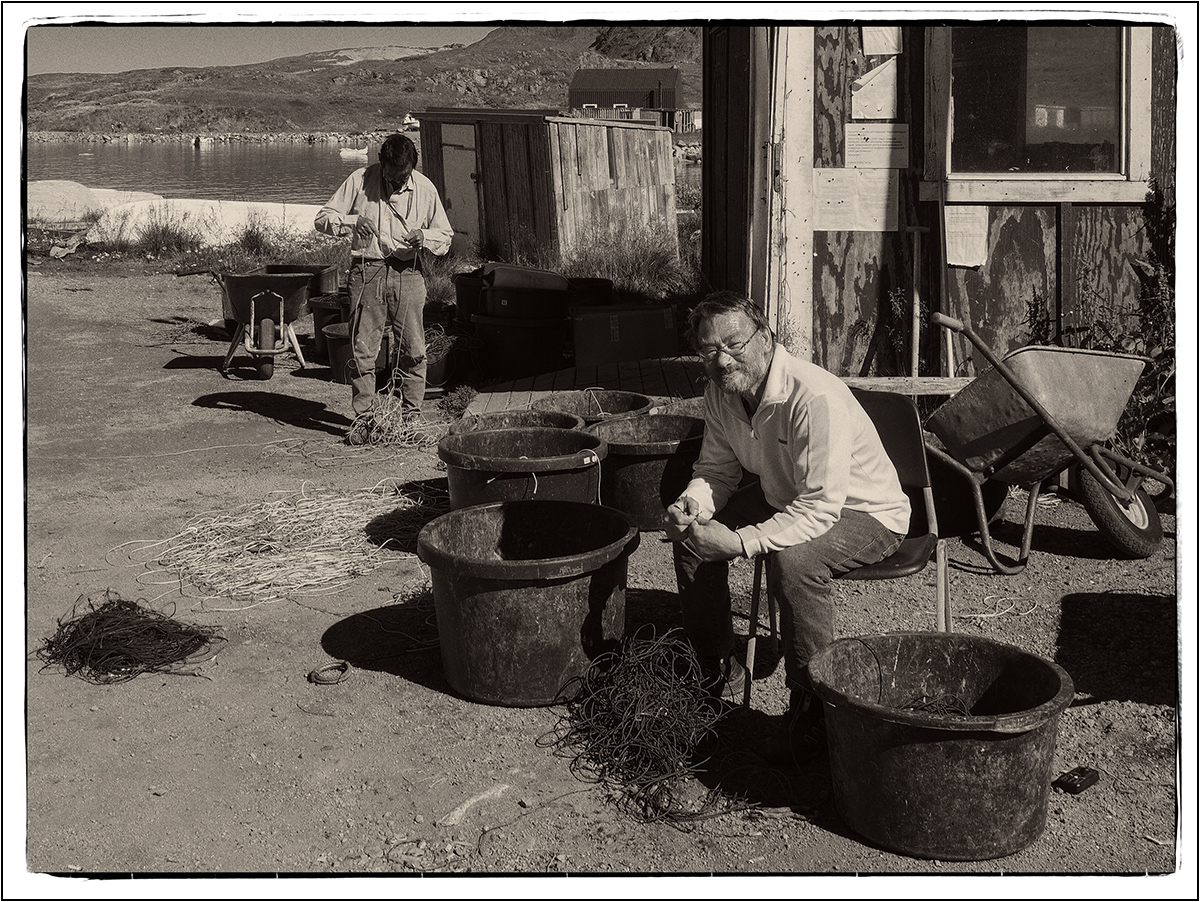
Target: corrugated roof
[(624, 79)]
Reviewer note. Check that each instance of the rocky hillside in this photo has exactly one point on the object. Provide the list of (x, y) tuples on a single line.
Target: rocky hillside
[(355, 90)]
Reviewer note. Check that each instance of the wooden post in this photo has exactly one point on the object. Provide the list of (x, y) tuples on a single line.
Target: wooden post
[(915, 351)]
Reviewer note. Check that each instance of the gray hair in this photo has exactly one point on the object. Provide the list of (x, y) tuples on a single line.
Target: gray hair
[(722, 302)]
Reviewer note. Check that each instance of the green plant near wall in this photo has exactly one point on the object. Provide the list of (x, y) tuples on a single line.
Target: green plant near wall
[(1146, 431)]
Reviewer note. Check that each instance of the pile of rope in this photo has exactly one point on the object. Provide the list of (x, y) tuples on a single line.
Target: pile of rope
[(635, 722), (118, 640), (306, 542), (387, 423)]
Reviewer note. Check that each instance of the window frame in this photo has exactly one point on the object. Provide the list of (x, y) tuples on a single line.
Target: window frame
[(1128, 186)]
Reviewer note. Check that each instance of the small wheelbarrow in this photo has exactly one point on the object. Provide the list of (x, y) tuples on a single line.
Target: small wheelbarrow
[(1032, 415), (264, 306)]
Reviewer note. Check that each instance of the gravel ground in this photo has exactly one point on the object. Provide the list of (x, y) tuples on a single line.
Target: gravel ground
[(248, 768)]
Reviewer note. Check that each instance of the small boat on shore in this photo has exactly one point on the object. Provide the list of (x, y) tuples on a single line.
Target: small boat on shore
[(353, 152)]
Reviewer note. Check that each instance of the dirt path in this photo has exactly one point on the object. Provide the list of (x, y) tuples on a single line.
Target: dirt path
[(251, 768)]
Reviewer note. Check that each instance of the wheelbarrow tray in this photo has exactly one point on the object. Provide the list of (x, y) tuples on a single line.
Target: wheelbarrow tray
[(238, 288), (992, 431)]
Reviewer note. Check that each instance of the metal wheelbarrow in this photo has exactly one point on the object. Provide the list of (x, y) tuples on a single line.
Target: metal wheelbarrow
[(1034, 413), (264, 307)]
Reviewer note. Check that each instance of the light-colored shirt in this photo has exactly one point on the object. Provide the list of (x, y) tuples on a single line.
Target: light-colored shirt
[(812, 446), (415, 205)]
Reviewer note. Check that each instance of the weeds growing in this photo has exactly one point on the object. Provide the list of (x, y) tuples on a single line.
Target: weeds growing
[(1146, 431)]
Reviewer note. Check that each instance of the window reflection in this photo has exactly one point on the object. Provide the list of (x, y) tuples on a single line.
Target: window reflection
[(1043, 99)]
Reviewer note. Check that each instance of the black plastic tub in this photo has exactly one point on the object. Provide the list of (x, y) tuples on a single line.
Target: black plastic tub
[(944, 786), (527, 594), (527, 303), (594, 404), (523, 463), (649, 463), (517, 417), (521, 347)]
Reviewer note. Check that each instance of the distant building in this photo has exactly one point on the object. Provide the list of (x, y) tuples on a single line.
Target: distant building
[(655, 89), (653, 95)]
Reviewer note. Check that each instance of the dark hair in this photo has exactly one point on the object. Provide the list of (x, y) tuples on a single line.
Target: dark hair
[(398, 150), (722, 302)]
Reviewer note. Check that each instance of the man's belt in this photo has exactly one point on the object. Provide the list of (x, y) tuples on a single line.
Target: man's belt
[(391, 262)]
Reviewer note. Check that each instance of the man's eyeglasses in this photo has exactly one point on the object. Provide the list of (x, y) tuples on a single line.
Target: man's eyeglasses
[(736, 349)]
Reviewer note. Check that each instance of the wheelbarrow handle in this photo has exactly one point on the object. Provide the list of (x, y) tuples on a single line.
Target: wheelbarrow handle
[(947, 322)]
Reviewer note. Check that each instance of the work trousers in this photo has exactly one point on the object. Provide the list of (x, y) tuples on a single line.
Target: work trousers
[(799, 578), (387, 299)]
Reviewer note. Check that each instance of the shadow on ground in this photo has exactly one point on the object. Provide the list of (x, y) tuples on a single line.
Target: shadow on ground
[(299, 412), (1120, 646), (400, 528)]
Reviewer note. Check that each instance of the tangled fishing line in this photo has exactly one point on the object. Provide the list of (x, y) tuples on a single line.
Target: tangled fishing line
[(386, 422), (938, 705), (309, 541), (635, 722), (119, 639)]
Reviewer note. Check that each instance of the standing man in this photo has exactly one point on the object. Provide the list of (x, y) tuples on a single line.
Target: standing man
[(390, 212), (827, 500)]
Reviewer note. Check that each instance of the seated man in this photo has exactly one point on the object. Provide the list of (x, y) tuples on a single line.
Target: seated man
[(827, 499)]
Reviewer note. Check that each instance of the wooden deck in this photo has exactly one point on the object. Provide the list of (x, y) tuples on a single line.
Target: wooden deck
[(665, 379)]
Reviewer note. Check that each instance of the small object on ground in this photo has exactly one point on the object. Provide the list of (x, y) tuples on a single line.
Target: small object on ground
[(1077, 780), (329, 674), (118, 639)]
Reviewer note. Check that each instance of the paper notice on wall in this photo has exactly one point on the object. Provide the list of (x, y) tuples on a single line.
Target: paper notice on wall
[(876, 145), (856, 200), (966, 236), (881, 39), (873, 96)]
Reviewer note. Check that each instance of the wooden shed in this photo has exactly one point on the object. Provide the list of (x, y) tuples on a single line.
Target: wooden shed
[(521, 182), (838, 174)]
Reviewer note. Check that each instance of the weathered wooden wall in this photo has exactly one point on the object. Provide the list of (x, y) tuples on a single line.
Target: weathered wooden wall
[(549, 185), (1065, 264), (610, 178), (514, 176), (855, 273)]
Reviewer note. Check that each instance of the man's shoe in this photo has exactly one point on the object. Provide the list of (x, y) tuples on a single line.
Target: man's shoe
[(359, 433), (801, 739), (724, 680)]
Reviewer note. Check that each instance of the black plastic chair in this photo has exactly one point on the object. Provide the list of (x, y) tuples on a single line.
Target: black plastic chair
[(899, 426)]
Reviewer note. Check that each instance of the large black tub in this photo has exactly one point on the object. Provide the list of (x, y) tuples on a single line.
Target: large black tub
[(524, 463), (913, 777), (527, 593), (649, 463)]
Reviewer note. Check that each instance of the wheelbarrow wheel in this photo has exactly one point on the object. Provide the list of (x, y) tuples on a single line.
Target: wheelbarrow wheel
[(1133, 529), (265, 363)]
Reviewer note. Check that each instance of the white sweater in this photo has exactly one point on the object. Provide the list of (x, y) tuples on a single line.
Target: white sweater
[(812, 446)]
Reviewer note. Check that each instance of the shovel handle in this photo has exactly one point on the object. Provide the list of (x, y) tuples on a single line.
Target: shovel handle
[(948, 322)]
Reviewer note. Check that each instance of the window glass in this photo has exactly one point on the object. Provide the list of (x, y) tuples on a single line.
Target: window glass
[(1043, 99)]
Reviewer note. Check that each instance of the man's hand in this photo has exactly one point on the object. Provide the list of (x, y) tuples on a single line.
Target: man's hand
[(415, 239), (680, 515), (364, 228), (712, 540)]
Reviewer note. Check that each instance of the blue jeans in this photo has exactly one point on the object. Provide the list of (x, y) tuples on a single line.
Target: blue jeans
[(799, 578), (386, 298)]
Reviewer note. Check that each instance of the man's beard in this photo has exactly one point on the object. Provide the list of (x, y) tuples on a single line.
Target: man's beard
[(738, 380)]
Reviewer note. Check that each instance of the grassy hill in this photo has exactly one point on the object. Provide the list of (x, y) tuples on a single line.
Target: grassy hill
[(357, 89)]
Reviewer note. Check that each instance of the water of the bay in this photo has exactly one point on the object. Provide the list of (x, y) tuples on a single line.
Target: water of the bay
[(286, 173)]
